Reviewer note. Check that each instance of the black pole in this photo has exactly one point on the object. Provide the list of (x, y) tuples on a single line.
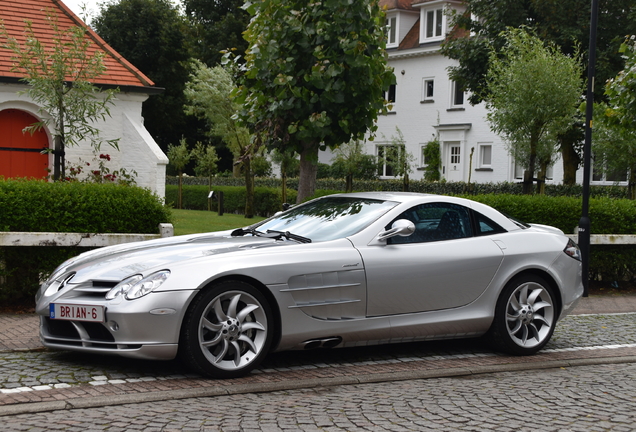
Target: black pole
[(584, 224)]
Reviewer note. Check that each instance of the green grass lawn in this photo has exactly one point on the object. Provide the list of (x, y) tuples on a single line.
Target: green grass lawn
[(198, 221)]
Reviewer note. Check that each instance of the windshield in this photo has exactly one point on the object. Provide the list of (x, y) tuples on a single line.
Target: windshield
[(328, 218)]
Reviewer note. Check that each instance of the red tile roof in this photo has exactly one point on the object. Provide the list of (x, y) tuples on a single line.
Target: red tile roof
[(14, 13)]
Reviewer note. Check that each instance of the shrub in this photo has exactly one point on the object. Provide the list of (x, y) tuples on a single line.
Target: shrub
[(38, 206), (441, 188), (608, 216)]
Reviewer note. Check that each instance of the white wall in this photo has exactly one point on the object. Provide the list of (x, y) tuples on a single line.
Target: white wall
[(137, 149)]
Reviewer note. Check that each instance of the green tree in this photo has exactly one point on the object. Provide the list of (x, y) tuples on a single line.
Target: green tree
[(614, 148), (564, 23), (179, 156), (433, 160), (533, 91), (398, 159), (217, 26), (206, 160), (261, 167), (208, 94), (315, 76), (352, 161), (614, 133), (154, 36), (289, 167), (59, 78), (621, 90)]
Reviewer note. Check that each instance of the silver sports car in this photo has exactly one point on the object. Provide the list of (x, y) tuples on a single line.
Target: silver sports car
[(339, 271)]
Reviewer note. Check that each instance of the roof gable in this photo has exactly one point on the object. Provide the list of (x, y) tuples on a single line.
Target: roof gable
[(14, 13)]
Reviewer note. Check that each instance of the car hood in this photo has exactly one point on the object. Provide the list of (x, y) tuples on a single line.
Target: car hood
[(118, 262)]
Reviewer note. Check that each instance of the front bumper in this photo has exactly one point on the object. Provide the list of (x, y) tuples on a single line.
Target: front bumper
[(146, 328)]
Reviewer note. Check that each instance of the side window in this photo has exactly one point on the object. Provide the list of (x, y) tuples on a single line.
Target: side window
[(435, 222), (486, 226)]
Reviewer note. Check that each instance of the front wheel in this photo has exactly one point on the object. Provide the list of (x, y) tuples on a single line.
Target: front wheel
[(227, 330), (525, 316)]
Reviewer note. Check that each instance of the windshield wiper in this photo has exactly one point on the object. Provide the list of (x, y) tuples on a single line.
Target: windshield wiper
[(270, 234), (240, 232), (289, 236)]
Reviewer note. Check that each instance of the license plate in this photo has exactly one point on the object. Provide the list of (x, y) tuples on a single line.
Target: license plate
[(75, 312)]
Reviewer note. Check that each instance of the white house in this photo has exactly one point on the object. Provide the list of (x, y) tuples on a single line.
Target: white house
[(427, 104), (20, 154)]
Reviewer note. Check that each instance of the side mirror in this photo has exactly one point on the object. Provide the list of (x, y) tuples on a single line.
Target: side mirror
[(401, 227)]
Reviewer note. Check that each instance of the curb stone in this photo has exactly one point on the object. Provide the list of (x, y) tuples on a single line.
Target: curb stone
[(103, 401)]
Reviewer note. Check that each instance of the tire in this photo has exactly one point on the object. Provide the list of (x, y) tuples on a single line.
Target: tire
[(227, 330), (525, 316)]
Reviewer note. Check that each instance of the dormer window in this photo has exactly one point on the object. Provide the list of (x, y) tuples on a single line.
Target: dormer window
[(391, 32), (433, 23)]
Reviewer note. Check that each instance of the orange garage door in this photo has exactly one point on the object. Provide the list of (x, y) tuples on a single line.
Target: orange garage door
[(20, 152)]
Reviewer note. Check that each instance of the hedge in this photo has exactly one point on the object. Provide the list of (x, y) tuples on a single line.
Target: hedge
[(607, 216), (38, 206), (267, 201), (441, 188)]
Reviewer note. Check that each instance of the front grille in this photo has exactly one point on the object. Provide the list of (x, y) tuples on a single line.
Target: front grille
[(77, 332), (92, 289)]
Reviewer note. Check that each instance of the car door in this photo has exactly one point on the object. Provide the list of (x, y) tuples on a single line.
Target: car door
[(441, 265)]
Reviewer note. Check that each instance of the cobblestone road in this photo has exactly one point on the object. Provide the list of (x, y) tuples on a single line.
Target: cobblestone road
[(598, 398), (25, 371), (586, 398)]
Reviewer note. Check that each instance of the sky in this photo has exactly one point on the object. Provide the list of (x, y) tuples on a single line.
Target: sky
[(76, 6), (91, 6)]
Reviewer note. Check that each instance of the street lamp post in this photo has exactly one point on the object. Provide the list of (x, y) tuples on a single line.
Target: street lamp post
[(584, 223)]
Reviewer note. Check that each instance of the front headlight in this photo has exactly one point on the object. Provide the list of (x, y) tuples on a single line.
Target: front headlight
[(122, 287), (138, 286)]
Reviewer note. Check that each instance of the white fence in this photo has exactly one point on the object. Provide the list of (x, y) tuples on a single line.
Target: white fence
[(78, 239), (167, 230), (608, 239)]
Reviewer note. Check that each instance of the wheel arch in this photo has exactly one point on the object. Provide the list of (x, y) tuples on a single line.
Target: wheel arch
[(273, 304), (548, 277)]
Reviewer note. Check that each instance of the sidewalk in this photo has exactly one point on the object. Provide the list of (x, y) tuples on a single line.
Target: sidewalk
[(20, 333)]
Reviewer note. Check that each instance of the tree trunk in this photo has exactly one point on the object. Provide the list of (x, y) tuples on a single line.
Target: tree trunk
[(349, 183), (541, 179), (57, 158), (405, 182), (236, 167), (59, 169), (308, 171), (571, 162), (527, 183), (528, 175)]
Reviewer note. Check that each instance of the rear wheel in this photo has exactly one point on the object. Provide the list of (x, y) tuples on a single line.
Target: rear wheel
[(525, 316), (227, 330)]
